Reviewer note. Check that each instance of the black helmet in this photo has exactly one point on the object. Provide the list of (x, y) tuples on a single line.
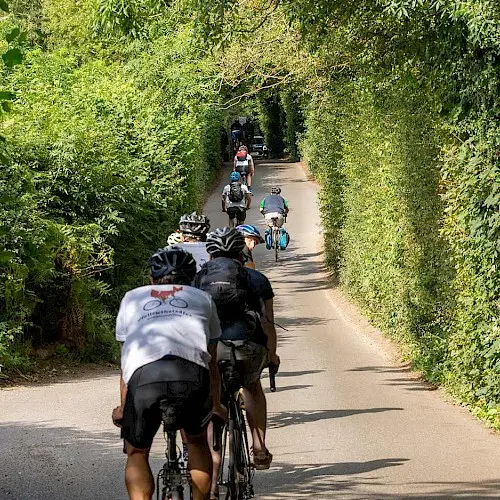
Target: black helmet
[(197, 225), (225, 241), (173, 261), (275, 190)]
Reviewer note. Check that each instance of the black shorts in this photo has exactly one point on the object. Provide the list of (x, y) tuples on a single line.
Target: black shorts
[(239, 212), (251, 359), (243, 169), (167, 378)]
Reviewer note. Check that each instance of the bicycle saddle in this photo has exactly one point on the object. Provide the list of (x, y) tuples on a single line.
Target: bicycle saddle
[(171, 414)]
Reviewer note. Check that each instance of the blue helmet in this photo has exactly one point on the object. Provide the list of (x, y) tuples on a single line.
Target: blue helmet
[(235, 176), (250, 232)]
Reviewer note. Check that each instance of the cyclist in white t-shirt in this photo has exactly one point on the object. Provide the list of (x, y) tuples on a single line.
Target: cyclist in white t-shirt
[(168, 332)]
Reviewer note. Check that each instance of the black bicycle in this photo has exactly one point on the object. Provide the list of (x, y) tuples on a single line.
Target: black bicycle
[(236, 471), (174, 478)]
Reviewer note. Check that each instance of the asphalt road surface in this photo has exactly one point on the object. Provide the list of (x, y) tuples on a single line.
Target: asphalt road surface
[(346, 421)]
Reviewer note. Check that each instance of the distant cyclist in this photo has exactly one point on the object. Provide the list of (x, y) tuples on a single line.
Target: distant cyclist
[(244, 299), (168, 332), (243, 163), (274, 206), (235, 199), (252, 239), (194, 229)]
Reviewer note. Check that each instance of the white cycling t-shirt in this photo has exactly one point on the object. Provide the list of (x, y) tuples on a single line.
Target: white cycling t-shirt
[(198, 249), (229, 203), (159, 320)]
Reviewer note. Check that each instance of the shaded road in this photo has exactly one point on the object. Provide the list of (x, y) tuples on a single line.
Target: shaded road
[(345, 422)]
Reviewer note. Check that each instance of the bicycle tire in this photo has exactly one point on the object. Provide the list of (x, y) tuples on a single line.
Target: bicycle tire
[(276, 243), (232, 463)]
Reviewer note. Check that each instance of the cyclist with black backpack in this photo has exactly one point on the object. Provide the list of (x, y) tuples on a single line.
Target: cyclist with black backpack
[(235, 200), (244, 301)]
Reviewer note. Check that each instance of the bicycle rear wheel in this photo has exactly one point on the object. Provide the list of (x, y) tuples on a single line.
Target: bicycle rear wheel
[(234, 492), (276, 242)]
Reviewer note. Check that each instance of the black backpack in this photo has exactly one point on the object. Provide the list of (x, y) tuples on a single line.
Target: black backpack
[(228, 283), (235, 192)]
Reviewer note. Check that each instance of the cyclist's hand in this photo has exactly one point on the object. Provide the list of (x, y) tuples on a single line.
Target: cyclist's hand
[(117, 416), (274, 359), (220, 411)]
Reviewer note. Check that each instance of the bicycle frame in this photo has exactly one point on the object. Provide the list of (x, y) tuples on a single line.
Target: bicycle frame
[(174, 476), (240, 468)]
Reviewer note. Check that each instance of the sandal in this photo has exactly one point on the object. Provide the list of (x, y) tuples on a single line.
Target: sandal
[(263, 461)]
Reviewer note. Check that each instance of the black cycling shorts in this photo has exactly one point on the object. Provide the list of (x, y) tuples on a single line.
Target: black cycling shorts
[(251, 359), (243, 169), (168, 378), (238, 212)]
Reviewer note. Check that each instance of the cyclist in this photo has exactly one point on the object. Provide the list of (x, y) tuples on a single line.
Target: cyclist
[(235, 199), (274, 206), (255, 347), (175, 238), (168, 352), (194, 229), (243, 163), (252, 239)]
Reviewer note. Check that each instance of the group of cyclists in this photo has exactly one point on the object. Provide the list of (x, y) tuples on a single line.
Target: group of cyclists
[(203, 291), (237, 197)]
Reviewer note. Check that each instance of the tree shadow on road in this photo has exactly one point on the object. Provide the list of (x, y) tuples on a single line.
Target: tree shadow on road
[(286, 480), (411, 383), (285, 418)]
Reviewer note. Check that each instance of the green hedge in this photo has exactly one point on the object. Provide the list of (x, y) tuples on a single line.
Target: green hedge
[(107, 149)]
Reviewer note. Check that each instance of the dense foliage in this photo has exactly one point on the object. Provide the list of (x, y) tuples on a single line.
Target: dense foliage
[(110, 140)]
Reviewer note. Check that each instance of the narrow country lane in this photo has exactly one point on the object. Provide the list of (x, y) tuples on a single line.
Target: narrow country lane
[(345, 422)]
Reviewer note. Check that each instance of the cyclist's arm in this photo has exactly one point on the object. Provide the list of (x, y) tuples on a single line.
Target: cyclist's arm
[(252, 166), (123, 385), (286, 207), (224, 195), (270, 330)]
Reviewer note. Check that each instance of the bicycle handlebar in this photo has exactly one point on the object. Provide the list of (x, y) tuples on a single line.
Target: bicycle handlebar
[(273, 370)]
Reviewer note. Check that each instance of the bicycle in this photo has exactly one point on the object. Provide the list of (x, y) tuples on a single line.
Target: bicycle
[(240, 469), (174, 477)]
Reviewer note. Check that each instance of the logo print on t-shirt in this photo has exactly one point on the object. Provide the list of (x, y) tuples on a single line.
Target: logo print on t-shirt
[(163, 296)]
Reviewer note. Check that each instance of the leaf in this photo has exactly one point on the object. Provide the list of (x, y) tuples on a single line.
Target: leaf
[(7, 96), (12, 57), (4, 6), (10, 37), (5, 256)]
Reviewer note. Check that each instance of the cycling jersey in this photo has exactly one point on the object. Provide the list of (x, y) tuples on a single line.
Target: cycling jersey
[(274, 204), (159, 320)]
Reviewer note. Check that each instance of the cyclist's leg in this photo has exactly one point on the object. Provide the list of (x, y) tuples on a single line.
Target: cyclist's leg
[(241, 216), (138, 476), (253, 359), (200, 465), (139, 427), (198, 411)]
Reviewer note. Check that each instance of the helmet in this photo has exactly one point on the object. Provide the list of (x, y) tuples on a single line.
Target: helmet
[(250, 232), (197, 225), (243, 148), (173, 261), (225, 241), (235, 176), (275, 190), (175, 238)]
